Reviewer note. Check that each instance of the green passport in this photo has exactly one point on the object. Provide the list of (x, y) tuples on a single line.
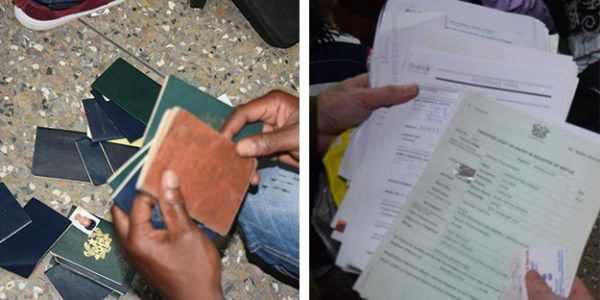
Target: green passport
[(177, 93), (128, 88), (96, 255)]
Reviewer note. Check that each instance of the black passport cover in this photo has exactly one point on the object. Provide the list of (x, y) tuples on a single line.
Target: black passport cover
[(94, 161), (12, 215), (22, 252), (128, 88), (102, 128), (71, 285), (56, 156), (127, 124), (117, 154), (115, 288)]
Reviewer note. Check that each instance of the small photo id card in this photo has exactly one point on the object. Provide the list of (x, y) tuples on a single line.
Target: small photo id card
[(84, 220), (550, 263)]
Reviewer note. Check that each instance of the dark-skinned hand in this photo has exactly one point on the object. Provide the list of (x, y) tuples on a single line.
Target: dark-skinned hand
[(280, 114), (181, 261)]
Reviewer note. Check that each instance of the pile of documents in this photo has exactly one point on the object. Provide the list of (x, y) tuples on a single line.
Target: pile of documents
[(115, 128), (437, 185)]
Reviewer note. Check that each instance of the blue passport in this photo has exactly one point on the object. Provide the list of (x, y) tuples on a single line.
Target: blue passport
[(22, 252), (102, 128), (56, 156), (94, 161), (124, 200), (13, 216), (127, 124), (117, 154), (71, 285)]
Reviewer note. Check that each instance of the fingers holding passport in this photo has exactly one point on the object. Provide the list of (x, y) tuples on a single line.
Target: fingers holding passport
[(188, 248), (280, 113)]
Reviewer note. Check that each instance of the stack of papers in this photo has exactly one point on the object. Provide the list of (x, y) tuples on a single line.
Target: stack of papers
[(503, 192), (448, 48)]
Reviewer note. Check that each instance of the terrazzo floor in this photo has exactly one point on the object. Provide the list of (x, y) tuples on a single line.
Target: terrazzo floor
[(44, 75)]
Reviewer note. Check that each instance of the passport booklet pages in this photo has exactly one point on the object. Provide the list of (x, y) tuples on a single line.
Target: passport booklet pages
[(214, 178), (499, 181)]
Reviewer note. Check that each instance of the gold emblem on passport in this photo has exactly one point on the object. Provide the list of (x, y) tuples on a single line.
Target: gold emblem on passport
[(97, 245)]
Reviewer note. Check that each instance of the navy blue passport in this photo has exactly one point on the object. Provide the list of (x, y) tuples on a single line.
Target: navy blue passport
[(13, 216), (94, 161), (102, 128), (124, 200), (72, 286), (55, 155), (117, 154), (22, 252), (127, 124)]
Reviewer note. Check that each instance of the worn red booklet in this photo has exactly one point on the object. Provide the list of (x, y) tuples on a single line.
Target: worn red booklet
[(214, 178)]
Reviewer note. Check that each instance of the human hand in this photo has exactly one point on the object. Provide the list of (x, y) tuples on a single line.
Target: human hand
[(280, 114), (537, 289), (181, 261), (351, 102)]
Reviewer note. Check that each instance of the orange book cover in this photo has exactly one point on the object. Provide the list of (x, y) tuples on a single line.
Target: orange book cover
[(213, 177)]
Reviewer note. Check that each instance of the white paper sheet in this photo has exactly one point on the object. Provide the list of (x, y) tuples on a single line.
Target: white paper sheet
[(498, 182), (410, 132)]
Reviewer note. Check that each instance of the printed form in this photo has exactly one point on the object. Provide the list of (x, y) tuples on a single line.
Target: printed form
[(498, 182), (396, 36), (397, 32), (410, 132)]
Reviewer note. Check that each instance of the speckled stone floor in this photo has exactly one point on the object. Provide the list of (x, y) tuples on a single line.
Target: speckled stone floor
[(44, 75)]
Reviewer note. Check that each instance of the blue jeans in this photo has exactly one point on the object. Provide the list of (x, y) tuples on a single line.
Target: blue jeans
[(270, 220)]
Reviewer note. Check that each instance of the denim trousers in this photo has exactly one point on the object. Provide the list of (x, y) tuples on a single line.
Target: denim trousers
[(269, 219)]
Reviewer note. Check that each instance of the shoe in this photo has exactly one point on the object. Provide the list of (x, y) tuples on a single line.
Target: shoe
[(36, 16)]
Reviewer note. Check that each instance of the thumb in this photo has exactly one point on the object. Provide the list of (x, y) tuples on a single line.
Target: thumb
[(172, 205), (387, 95), (537, 289), (267, 143)]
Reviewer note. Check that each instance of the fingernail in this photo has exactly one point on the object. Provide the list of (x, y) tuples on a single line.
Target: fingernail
[(246, 147), (169, 195), (170, 179), (412, 88)]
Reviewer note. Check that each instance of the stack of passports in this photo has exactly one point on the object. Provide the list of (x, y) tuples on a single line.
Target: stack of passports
[(71, 285), (214, 184), (83, 267), (116, 117), (96, 258), (205, 116)]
